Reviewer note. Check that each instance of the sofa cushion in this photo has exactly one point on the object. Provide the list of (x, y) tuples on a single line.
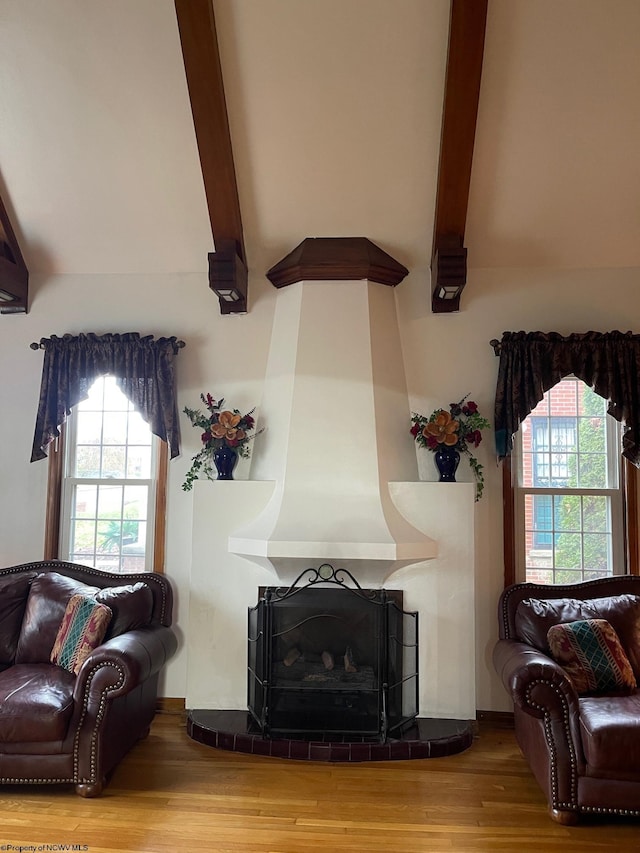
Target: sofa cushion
[(14, 590), (131, 606), (82, 629), (36, 703), (623, 612), (534, 617), (48, 598), (610, 734), (590, 652)]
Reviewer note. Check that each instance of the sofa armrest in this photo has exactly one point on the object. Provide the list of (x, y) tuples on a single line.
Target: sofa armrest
[(537, 684), (125, 661), (547, 718), (115, 699)]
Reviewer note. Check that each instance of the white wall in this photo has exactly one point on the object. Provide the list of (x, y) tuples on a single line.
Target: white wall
[(446, 356), (225, 356)]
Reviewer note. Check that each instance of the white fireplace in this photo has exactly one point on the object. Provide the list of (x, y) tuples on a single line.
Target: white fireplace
[(224, 585), (334, 479)]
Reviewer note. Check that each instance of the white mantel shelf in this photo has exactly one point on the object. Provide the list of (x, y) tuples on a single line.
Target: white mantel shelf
[(224, 585)]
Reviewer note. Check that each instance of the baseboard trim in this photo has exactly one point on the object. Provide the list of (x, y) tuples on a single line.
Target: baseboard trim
[(496, 718), (170, 705)]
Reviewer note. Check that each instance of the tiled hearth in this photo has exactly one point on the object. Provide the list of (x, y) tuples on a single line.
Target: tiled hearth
[(235, 731)]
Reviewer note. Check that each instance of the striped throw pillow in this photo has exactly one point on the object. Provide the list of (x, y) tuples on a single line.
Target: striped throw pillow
[(590, 652), (82, 629)]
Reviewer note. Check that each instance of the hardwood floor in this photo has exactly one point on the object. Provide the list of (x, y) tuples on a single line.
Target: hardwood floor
[(171, 794)]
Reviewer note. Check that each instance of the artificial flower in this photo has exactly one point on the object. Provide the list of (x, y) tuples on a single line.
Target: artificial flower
[(460, 428), (443, 429), (220, 427)]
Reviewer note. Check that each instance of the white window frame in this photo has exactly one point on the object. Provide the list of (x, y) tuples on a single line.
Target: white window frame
[(615, 493), (69, 484)]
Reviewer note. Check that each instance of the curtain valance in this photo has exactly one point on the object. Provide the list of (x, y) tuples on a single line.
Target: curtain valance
[(533, 362), (143, 368)]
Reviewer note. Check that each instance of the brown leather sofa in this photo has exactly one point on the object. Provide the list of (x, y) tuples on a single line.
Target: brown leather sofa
[(59, 727), (584, 750)]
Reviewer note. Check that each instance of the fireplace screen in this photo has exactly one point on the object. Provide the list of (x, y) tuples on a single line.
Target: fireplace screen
[(328, 657)]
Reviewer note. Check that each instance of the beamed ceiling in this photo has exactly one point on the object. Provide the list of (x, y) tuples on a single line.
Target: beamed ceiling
[(335, 113)]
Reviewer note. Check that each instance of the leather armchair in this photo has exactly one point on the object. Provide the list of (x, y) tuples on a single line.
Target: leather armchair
[(584, 750), (61, 727)]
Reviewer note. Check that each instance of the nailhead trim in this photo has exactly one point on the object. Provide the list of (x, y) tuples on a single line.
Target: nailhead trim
[(94, 735), (601, 810), (561, 590), (57, 565), (10, 780), (552, 745)]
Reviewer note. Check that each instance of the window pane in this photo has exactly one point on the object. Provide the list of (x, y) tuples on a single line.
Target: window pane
[(538, 533), (595, 515), (567, 576), (563, 396), (109, 501), (139, 463), (83, 537), (108, 563), (568, 512), (85, 501), (87, 462), (135, 501), (593, 471), (596, 551), (93, 403), (592, 433), (567, 442), (110, 536), (139, 432), (568, 551), (106, 522), (115, 428), (89, 428), (113, 462), (542, 521)]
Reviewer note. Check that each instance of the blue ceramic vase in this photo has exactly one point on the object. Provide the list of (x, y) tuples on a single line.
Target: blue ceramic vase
[(225, 458), (447, 459)]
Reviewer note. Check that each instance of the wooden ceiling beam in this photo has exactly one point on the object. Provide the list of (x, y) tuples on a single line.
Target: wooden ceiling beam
[(460, 112), (199, 40), (14, 275)]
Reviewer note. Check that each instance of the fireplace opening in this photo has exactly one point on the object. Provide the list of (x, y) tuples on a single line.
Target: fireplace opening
[(326, 657)]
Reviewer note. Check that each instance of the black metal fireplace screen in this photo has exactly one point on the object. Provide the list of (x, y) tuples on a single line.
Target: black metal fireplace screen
[(327, 657)]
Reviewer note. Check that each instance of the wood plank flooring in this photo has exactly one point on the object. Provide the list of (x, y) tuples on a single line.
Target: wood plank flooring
[(171, 794)]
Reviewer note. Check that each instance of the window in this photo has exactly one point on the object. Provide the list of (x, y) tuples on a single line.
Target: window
[(109, 484), (568, 494)]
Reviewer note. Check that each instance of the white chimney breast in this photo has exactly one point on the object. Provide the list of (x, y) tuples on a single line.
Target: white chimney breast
[(336, 412)]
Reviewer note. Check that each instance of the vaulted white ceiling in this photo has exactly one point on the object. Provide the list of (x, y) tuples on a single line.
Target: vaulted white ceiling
[(335, 109)]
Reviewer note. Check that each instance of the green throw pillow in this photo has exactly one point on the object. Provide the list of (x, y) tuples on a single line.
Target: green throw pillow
[(590, 652)]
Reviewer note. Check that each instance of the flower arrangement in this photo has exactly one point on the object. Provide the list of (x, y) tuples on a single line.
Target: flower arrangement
[(461, 428), (220, 427)]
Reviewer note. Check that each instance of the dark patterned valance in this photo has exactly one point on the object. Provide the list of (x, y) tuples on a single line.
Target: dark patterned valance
[(533, 362), (144, 370)]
